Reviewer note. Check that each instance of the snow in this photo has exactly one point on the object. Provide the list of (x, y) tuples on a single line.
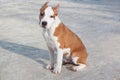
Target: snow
[(23, 52)]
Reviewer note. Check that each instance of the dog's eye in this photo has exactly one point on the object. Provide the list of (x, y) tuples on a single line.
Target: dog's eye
[(52, 16), (41, 14)]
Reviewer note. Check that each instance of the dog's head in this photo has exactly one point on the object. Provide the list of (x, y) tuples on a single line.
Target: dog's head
[(48, 15)]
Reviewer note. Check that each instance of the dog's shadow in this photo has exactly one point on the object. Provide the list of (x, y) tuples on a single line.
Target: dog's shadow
[(38, 55)]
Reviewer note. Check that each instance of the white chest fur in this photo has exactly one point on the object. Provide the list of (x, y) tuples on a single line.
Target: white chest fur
[(50, 39), (52, 42), (48, 34)]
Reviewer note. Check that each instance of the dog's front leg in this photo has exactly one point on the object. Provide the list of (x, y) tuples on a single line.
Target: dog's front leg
[(59, 59), (51, 65)]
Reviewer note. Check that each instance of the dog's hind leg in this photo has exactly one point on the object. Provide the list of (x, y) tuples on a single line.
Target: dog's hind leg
[(78, 65), (79, 61)]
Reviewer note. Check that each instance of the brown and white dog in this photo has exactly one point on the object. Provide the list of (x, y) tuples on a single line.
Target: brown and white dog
[(61, 40)]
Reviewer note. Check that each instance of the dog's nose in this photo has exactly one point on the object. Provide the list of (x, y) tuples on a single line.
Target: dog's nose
[(44, 23)]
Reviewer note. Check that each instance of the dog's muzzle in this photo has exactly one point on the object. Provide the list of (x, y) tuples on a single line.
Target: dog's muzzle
[(44, 24)]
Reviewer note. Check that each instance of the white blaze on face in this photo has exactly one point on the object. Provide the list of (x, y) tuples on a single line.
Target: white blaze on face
[(47, 17)]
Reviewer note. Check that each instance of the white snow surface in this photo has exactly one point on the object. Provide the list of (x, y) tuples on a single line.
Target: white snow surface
[(23, 52)]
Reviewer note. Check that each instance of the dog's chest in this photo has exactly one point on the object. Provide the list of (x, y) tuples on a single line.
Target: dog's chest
[(50, 39)]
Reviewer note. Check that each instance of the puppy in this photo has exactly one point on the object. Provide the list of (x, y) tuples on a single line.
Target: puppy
[(61, 41)]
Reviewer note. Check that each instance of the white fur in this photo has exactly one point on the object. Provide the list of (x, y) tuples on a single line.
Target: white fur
[(67, 50), (59, 59), (74, 59), (52, 41), (50, 21), (80, 67)]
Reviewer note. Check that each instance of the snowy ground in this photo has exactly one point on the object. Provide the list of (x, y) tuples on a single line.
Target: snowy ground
[(23, 53)]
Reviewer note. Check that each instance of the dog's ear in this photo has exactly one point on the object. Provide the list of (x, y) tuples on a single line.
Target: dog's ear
[(44, 6), (46, 3), (55, 9)]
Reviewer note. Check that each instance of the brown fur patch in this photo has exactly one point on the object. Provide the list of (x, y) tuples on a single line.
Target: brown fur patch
[(42, 10), (55, 12), (55, 9), (68, 39), (44, 7)]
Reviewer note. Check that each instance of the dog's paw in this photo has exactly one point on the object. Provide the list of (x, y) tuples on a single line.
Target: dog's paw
[(57, 70), (49, 67), (77, 68)]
